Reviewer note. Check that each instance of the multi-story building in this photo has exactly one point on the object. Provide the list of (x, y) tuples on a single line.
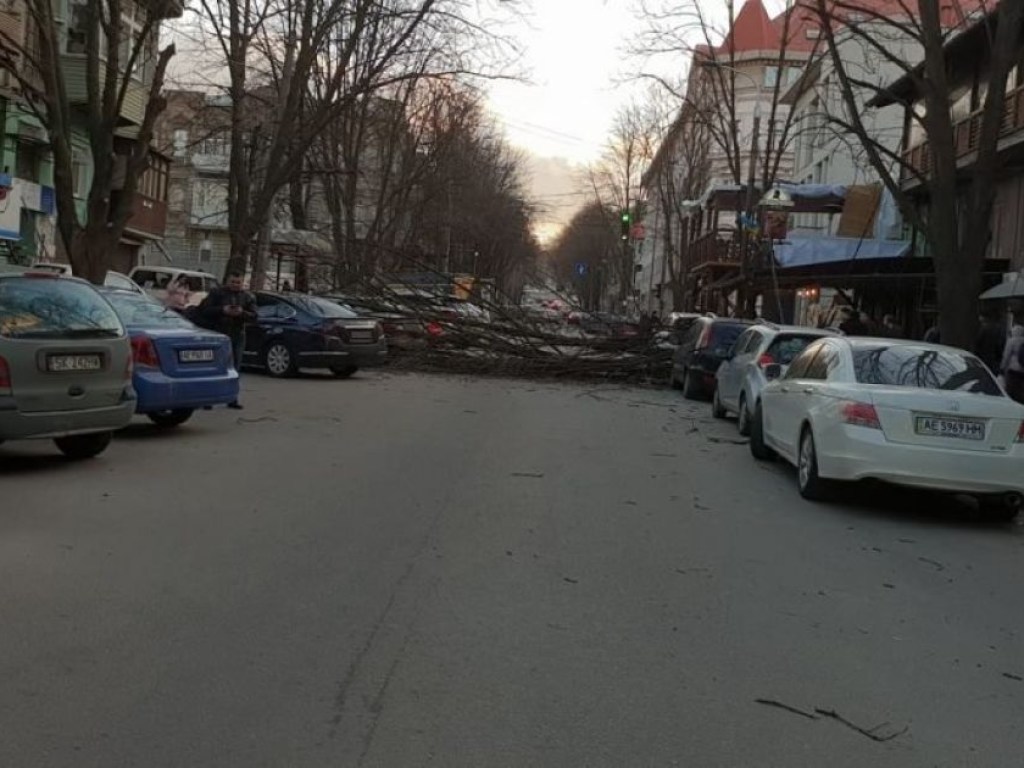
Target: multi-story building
[(27, 209), (731, 88)]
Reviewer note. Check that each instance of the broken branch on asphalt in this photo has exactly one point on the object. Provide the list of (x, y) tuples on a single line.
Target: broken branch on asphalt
[(831, 714)]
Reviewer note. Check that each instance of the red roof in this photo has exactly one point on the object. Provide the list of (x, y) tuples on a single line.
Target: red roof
[(752, 30)]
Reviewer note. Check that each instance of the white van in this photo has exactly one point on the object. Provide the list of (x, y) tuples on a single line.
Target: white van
[(112, 280), (155, 281)]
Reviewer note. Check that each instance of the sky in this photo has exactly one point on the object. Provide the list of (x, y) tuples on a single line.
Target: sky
[(575, 57)]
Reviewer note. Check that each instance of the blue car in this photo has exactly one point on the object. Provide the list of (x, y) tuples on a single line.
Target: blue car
[(178, 366)]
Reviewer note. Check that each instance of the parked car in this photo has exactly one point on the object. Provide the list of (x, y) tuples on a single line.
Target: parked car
[(111, 280), (701, 350), (178, 366), (296, 331), (903, 412), (608, 324), (402, 328), (156, 280), (740, 377), (65, 364)]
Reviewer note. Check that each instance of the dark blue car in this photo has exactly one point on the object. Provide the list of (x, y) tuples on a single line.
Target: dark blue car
[(178, 367)]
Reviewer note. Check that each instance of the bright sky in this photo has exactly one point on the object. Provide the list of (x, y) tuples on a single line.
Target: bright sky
[(575, 53)]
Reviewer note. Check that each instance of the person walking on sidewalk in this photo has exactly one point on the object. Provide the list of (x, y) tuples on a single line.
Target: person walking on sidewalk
[(226, 309), (1013, 361)]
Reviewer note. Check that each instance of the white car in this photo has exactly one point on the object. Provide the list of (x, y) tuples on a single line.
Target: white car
[(903, 412), (111, 280), (741, 377), (156, 280)]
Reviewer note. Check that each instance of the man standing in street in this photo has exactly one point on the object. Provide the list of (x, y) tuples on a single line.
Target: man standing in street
[(226, 309), (991, 339)]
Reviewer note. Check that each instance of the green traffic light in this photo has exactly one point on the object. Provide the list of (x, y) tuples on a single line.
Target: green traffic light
[(625, 217)]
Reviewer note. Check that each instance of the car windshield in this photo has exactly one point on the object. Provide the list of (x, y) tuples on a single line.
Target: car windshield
[(906, 365), (785, 348), (322, 307), (54, 308), (142, 312)]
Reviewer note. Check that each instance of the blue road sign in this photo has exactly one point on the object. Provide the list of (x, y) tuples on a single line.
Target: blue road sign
[(581, 269)]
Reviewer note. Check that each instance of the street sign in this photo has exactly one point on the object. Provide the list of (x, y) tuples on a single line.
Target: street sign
[(639, 232), (580, 268)]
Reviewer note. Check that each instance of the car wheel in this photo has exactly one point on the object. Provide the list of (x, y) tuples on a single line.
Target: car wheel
[(743, 418), (758, 449), (691, 387), (1002, 509), (344, 372), (83, 446), (170, 418), (278, 360), (811, 485), (716, 406)]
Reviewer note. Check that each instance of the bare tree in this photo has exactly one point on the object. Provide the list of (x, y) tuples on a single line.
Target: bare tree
[(956, 223), (124, 78), (584, 250)]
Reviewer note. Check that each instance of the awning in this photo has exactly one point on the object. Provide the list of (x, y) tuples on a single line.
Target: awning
[(1008, 289), (810, 251)]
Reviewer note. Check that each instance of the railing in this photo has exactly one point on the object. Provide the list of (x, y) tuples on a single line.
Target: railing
[(967, 134), (718, 246)]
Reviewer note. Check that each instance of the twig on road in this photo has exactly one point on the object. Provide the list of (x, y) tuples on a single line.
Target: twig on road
[(787, 707), (535, 475), (871, 733), (1012, 676), (938, 566), (727, 440)]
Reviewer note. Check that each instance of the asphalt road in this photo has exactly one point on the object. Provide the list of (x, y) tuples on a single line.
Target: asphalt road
[(404, 570)]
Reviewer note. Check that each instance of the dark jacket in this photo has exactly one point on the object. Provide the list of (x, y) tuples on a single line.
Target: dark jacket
[(211, 311), (991, 343)]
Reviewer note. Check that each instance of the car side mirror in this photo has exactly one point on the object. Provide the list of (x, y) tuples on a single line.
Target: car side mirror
[(772, 371)]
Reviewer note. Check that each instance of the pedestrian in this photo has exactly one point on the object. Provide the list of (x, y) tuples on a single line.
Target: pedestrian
[(1013, 361), (991, 343), (178, 295), (645, 324), (852, 325), (227, 309), (890, 328), (286, 286)]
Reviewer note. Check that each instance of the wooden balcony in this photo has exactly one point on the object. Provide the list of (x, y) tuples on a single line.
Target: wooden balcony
[(967, 134), (148, 217), (715, 249)]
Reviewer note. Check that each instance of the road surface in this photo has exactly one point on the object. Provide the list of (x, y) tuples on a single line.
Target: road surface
[(404, 570)]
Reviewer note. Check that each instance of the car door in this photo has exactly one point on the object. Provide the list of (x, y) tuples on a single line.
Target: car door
[(269, 312), (730, 373), (784, 401), (685, 349), (812, 391)]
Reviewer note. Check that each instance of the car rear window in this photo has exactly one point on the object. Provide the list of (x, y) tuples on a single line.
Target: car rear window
[(141, 312), (910, 366), (784, 349), (725, 334), (322, 307), (34, 307)]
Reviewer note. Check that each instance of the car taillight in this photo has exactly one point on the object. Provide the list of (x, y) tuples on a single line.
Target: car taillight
[(435, 329), (1020, 430), (860, 415), (765, 360), (5, 377), (144, 352), (705, 338)]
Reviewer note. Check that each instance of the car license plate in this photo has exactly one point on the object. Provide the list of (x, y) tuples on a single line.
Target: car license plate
[(65, 363), (936, 426), (362, 335), (195, 355)]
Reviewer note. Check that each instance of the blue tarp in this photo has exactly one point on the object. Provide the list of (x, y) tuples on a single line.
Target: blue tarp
[(811, 251)]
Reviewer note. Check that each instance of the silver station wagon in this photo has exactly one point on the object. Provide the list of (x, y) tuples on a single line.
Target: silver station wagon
[(65, 364)]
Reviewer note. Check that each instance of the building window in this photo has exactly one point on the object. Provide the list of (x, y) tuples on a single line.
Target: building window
[(217, 144), (29, 161), (77, 36), (812, 33), (79, 174), (180, 143), (771, 76), (133, 22)]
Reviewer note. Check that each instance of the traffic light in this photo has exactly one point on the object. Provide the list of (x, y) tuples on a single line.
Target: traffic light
[(625, 219)]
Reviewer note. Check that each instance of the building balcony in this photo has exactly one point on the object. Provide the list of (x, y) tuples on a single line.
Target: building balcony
[(967, 134), (133, 109), (716, 248), (148, 217)]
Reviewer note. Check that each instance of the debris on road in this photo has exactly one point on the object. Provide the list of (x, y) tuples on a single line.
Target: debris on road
[(787, 707), (831, 714)]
